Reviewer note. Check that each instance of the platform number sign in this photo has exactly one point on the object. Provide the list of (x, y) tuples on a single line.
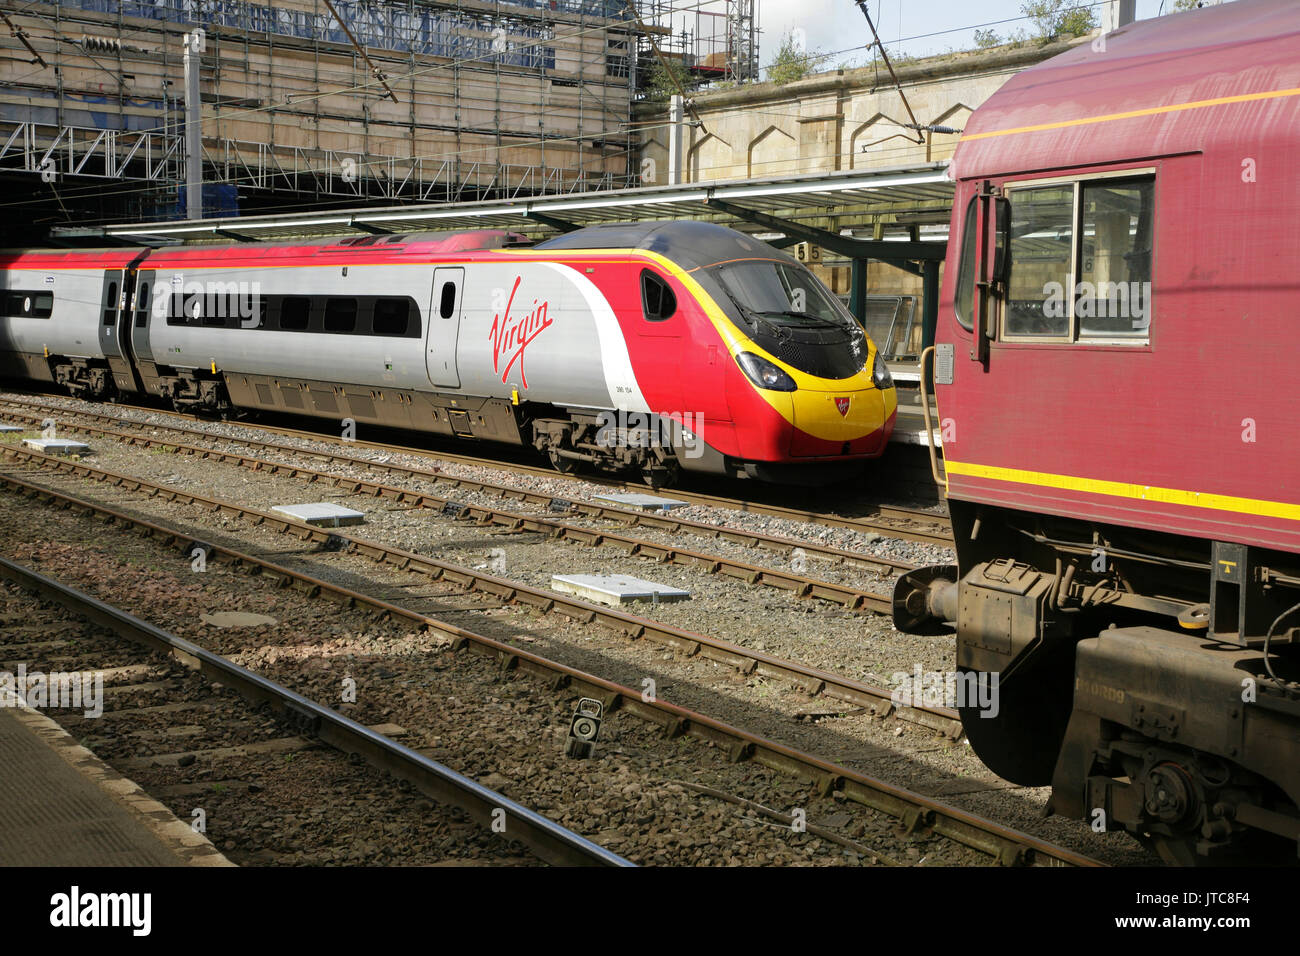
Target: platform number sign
[(807, 252)]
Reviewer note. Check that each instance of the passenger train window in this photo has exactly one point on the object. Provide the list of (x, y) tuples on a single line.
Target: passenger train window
[(295, 310), (340, 315), (19, 304), (184, 309), (218, 310), (392, 316), (657, 299), (142, 305), (110, 304), (447, 300)]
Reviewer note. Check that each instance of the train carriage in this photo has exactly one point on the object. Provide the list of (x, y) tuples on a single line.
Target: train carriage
[(661, 347), (60, 318)]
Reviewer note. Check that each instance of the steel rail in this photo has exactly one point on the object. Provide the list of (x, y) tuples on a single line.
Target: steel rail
[(918, 813), (812, 681), (939, 532), (852, 598), (550, 841), (591, 509)]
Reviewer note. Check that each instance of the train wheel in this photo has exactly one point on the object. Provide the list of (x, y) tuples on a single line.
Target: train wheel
[(659, 475), (1020, 738), (565, 466)]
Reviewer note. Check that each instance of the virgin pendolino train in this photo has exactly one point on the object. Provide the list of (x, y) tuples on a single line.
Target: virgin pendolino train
[(1115, 355), (662, 347)]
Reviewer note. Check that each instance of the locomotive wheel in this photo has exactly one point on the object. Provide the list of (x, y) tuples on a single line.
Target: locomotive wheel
[(1022, 741), (565, 466), (659, 476)]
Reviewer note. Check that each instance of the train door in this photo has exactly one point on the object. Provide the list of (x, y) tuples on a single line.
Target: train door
[(444, 326), (113, 297), (660, 327), (141, 318)]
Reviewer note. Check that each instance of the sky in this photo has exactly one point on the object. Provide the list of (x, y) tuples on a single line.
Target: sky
[(914, 27)]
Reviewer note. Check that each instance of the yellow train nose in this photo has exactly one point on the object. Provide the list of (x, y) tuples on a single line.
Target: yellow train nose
[(842, 415)]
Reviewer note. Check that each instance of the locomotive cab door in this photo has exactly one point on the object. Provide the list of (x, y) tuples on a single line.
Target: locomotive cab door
[(444, 326)]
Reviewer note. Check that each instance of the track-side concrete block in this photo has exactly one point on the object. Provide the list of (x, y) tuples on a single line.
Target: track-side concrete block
[(643, 501), (322, 514), (616, 589), (57, 446)]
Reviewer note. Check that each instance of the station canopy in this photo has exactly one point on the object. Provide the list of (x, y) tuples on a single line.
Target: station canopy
[(832, 202)]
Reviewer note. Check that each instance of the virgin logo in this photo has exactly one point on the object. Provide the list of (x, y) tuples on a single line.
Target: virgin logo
[(510, 334)]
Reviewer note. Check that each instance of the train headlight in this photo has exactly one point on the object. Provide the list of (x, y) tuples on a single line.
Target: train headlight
[(764, 374), (880, 376)]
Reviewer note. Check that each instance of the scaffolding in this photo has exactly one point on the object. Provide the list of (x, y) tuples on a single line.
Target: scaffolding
[(489, 99), (714, 41)]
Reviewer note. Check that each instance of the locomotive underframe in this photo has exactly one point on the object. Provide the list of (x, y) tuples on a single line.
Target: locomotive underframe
[(566, 436), (648, 443), (1150, 678)]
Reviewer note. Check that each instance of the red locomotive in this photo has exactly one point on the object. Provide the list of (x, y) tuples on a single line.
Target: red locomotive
[(1110, 371)]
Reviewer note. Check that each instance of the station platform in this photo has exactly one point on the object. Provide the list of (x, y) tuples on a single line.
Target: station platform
[(60, 805), (909, 425)]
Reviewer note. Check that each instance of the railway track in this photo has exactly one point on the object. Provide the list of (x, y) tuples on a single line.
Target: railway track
[(917, 814), (814, 682), (803, 585), (550, 842), (909, 524)]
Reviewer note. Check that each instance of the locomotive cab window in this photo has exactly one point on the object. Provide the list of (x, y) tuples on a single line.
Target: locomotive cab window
[(1080, 261), (1115, 268), (1042, 250), (966, 270), (657, 300)]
